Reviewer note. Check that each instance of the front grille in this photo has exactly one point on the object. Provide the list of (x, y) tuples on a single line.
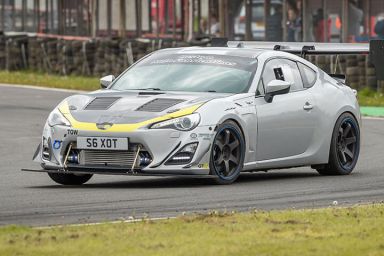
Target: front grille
[(101, 103), (158, 105), (107, 158)]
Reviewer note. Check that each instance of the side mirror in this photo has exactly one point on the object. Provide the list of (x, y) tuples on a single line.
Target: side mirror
[(106, 81), (276, 87)]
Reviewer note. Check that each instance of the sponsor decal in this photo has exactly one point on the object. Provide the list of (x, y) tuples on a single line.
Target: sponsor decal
[(205, 136), (72, 132), (199, 59), (57, 144), (203, 166)]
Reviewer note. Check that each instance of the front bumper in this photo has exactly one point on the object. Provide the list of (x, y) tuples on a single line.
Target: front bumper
[(161, 144)]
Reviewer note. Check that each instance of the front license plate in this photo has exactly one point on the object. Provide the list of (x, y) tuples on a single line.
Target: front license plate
[(102, 143)]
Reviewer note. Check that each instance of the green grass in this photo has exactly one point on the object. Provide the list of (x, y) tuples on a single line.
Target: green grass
[(332, 231), (53, 81), (367, 97)]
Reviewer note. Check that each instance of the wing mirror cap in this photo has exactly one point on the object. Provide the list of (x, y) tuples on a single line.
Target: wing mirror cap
[(276, 87), (106, 81)]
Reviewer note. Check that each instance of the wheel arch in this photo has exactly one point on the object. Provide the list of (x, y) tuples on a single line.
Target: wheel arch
[(331, 168), (354, 116), (241, 129), (347, 111)]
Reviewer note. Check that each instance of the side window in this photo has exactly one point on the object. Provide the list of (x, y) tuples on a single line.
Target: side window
[(308, 75), (283, 69)]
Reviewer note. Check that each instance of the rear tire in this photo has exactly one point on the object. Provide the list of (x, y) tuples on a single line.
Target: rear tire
[(345, 147), (70, 179), (227, 153)]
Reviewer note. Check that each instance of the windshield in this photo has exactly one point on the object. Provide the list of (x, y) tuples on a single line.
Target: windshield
[(191, 73)]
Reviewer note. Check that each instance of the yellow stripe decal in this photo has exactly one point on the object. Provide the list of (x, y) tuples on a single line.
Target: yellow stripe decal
[(64, 109)]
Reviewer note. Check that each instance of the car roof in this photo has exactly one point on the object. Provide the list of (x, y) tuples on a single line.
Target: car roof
[(227, 51)]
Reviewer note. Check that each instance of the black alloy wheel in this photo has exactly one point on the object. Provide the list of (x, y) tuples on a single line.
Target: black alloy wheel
[(345, 147), (347, 144), (227, 155)]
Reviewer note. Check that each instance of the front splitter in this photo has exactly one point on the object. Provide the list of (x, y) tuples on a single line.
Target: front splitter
[(118, 171)]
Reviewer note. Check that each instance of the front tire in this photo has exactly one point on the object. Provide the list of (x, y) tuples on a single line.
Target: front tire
[(227, 153), (70, 179), (345, 147)]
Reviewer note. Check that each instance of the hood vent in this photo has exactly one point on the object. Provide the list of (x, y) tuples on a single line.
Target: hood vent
[(158, 105), (101, 103)]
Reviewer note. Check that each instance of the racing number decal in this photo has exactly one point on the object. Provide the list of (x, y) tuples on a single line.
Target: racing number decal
[(104, 143)]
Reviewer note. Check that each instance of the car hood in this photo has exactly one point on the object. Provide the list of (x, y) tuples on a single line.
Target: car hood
[(128, 107)]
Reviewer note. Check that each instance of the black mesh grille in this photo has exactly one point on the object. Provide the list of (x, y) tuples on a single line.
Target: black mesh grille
[(101, 103), (104, 158), (158, 105)]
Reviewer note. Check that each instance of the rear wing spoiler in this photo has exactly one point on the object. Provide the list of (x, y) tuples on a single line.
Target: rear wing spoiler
[(305, 48), (375, 49)]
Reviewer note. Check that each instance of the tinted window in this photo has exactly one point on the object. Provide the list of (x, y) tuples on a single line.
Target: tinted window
[(283, 69), (308, 75)]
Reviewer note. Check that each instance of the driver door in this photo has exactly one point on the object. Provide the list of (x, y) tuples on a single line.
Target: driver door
[(286, 125)]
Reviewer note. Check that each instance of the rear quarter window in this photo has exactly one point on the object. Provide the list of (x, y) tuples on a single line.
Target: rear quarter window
[(307, 74)]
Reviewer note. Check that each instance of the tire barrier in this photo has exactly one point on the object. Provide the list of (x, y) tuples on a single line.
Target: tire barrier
[(359, 72), (103, 56), (94, 57)]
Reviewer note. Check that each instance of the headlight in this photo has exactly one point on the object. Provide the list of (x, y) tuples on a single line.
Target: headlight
[(56, 118), (184, 123)]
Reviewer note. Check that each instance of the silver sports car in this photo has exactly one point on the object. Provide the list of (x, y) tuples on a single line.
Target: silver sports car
[(214, 111)]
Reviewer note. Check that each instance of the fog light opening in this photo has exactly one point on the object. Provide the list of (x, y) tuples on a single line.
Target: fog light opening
[(144, 159), (184, 155), (73, 157), (46, 151)]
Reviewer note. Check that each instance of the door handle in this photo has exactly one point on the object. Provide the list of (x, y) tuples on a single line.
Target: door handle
[(308, 106)]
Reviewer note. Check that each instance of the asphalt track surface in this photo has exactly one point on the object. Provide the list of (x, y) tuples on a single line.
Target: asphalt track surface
[(33, 199)]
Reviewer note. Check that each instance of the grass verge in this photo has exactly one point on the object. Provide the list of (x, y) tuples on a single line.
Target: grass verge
[(368, 97), (355, 230), (52, 81)]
